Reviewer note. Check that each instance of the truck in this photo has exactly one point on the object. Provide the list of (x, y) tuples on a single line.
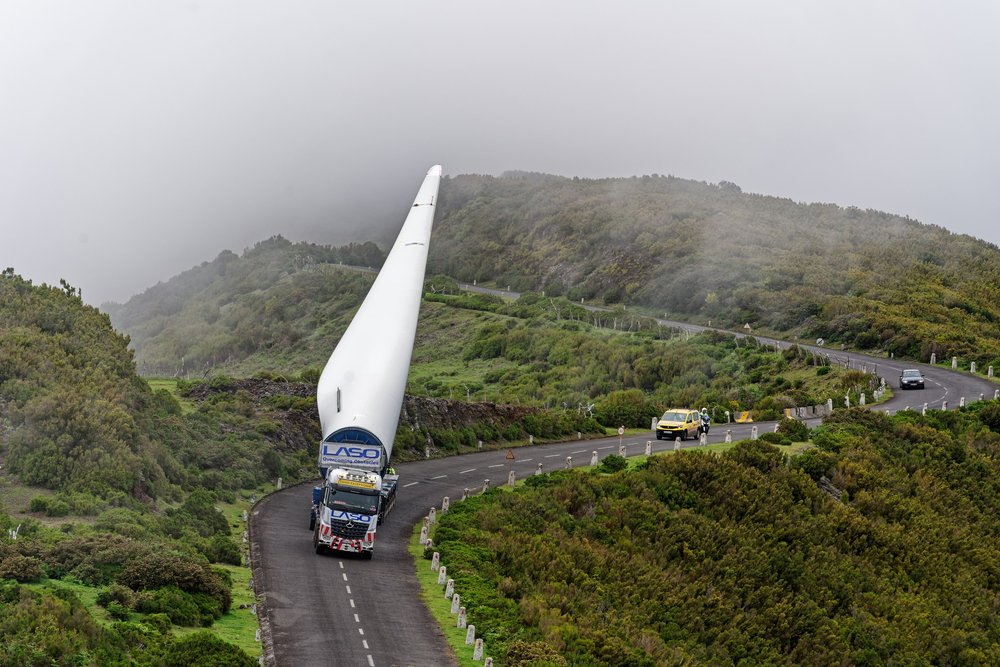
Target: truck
[(360, 392)]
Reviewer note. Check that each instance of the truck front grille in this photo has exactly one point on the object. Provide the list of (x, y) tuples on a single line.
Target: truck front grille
[(348, 529)]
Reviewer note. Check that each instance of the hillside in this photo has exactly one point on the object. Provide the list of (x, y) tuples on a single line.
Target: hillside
[(112, 532), (278, 310), (879, 546), (275, 296), (865, 278)]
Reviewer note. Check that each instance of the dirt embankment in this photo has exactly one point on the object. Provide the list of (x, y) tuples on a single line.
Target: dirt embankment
[(424, 421)]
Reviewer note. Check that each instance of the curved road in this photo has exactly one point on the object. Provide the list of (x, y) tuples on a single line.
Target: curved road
[(342, 610)]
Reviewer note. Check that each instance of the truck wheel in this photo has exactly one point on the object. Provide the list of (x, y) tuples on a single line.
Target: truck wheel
[(312, 522), (320, 549), (367, 555)]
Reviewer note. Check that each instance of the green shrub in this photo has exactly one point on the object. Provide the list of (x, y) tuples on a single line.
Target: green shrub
[(815, 462), (117, 611), (772, 438), (205, 650), (990, 416), (222, 383), (822, 370), (156, 570), (756, 454), (522, 653), (613, 463), (188, 609), (794, 429), (39, 504), (57, 507), (21, 568), (221, 549), (122, 595), (159, 622)]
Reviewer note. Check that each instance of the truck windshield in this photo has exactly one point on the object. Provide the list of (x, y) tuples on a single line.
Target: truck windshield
[(351, 501)]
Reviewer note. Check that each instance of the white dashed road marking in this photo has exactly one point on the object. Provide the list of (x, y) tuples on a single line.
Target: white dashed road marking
[(465, 471), (439, 477), (410, 484)]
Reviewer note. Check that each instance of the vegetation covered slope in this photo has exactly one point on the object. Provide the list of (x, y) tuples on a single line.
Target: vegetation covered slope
[(75, 417), (743, 558), (862, 277), (277, 296), (270, 312), (126, 486)]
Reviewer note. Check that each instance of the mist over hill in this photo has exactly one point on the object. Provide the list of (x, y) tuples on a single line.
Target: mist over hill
[(699, 251), (866, 278)]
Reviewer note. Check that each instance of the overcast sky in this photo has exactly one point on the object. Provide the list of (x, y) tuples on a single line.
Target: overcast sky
[(139, 138)]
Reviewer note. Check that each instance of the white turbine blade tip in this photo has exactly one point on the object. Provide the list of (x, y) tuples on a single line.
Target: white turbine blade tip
[(434, 171)]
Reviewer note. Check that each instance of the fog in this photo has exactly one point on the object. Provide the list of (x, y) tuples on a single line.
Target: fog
[(140, 138)]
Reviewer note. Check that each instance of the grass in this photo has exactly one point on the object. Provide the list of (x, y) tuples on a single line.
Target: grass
[(86, 594), (237, 626), (440, 608), (15, 498), (170, 384)]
